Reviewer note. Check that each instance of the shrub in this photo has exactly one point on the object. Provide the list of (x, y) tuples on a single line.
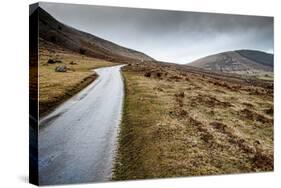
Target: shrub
[(82, 51)]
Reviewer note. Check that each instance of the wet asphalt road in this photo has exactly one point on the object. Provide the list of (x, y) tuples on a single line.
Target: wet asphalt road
[(77, 141)]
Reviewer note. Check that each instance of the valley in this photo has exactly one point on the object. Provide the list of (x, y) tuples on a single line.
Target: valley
[(212, 116)]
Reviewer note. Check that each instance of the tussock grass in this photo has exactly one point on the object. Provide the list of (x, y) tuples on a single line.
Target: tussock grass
[(185, 124)]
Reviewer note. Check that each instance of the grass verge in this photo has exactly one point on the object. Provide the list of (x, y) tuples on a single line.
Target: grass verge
[(57, 87)]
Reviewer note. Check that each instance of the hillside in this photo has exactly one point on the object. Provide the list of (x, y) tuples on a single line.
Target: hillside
[(257, 56), (72, 39), (177, 120), (79, 52), (182, 121), (248, 62)]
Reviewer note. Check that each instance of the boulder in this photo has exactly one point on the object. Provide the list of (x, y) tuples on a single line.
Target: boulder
[(61, 68)]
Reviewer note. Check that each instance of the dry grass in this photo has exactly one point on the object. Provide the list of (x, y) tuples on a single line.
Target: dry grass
[(184, 124), (56, 87)]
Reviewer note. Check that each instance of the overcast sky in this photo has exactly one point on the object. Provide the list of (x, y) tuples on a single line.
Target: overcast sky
[(172, 36)]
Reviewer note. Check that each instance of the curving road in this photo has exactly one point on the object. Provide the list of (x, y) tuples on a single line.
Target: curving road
[(77, 141)]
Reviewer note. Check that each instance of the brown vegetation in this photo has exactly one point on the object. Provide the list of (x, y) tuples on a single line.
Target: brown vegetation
[(189, 122), (62, 74)]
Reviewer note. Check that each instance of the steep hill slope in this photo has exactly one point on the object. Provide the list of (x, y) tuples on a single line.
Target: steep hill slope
[(70, 38), (241, 62)]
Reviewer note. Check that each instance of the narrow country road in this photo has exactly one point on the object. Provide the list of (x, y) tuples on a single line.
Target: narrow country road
[(77, 141)]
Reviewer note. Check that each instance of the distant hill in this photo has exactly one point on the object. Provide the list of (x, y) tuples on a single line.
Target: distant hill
[(70, 38), (240, 62), (257, 56)]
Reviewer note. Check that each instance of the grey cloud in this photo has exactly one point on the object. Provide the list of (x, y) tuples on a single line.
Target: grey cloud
[(174, 36)]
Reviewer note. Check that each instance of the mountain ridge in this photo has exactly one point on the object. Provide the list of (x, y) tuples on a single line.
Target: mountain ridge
[(85, 43)]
